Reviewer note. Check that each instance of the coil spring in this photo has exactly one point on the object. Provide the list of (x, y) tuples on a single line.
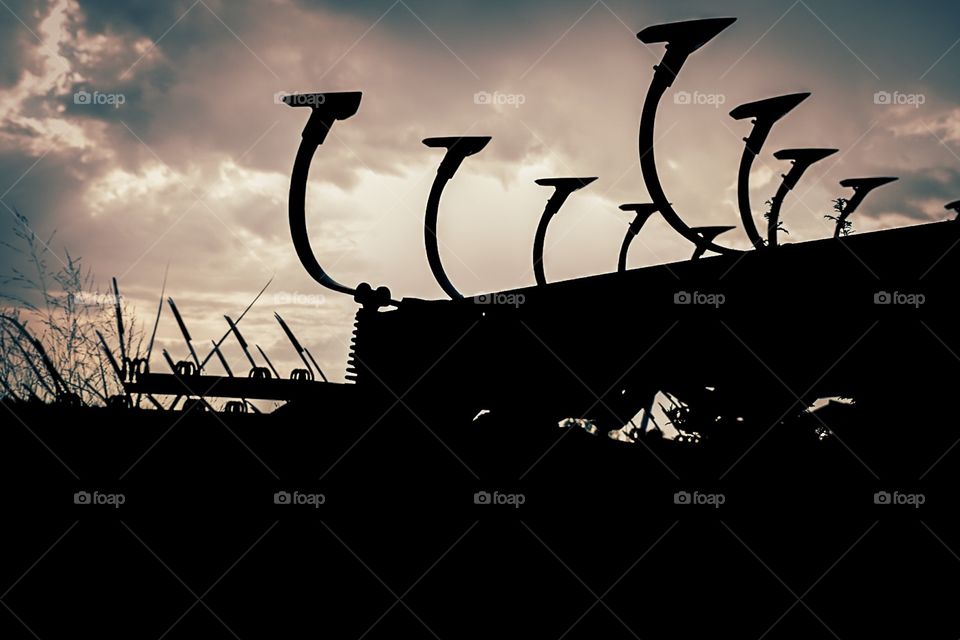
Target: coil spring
[(235, 406), (186, 368), (134, 368), (357, 371)]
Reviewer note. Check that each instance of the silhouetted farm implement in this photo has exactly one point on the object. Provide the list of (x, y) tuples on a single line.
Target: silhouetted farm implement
[(743, 337)]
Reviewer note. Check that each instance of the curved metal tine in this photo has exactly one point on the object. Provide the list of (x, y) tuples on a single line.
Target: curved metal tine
[(765, 113), (643, 213), (315, 365), (269, 364), (170, 362), (325, 109), (457, 148), (955, 207), (119, 313), (299, 348), (682, 39), (239, 318), (802, 159), (563, 187), (173, 370), (223, 361), (241, 341), (184, 332), (156, 322), (861, 189), (709, 234)]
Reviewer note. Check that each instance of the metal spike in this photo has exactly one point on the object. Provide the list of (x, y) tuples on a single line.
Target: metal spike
[(269, 364), (183, 330)]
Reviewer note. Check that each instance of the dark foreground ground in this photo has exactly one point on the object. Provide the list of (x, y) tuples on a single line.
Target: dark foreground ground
[(394, 535)]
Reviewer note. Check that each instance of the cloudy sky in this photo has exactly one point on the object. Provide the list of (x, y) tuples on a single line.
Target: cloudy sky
[(181, 154)]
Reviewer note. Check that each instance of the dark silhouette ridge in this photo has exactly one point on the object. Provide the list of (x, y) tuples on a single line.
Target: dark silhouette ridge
[(563, 187), (457, 148), (800, 160), (643, 213)]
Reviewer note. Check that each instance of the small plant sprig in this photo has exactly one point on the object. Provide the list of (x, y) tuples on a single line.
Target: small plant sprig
[(846, 226), (766, 216)]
